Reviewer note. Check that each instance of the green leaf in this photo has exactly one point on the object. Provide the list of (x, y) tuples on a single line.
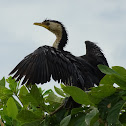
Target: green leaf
[(23, 96), (13, 84), (100, 92), (106, 104), (59, 91), (40, 90), (78, 120), (27, 116), (113, 115), (5, 91), (5, 94), (11, 108), (28, 99), (34, 97), (62, 85), (52, 106), (119, 82), (65, 121), (2, 82), (8, 120), (107, 80), (47, 92), (66, 94), (76, 110), (35, 92), (118, 75), (61, 114), (120, 70), (89, 116), (122, 118), (33, 123), (105, 69), (78, 95), (54, 98), (49, 121), (23, 91), (95, 120), (19, 107)]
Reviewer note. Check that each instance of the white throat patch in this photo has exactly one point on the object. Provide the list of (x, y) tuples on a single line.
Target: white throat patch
[(57, 30)]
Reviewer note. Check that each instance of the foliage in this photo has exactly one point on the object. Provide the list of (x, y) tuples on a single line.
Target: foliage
[(104, 105)]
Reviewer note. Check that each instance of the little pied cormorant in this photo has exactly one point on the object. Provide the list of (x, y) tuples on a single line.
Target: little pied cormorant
[(46, 62)]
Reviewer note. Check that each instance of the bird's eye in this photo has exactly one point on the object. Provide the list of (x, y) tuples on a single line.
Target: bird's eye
[(47, 23)]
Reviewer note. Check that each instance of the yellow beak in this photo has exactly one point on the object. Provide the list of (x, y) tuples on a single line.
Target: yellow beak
[(42, 24)]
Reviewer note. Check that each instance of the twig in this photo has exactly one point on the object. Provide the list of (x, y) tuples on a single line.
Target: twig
[(1, 123), (52, 113), (60, 107)]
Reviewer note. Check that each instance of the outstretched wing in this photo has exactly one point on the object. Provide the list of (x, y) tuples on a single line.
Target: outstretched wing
[(46, 62), (94, 56), (93, 51)]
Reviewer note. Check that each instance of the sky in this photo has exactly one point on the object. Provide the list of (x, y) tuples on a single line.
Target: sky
[(100, 21)]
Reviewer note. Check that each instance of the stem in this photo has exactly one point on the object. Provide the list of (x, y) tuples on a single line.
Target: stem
[(60, 107)]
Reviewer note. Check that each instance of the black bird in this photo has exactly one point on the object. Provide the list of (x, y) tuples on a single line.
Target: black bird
[(46, 62)]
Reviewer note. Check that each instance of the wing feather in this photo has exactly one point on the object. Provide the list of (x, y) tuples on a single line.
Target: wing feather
[(46, 62)]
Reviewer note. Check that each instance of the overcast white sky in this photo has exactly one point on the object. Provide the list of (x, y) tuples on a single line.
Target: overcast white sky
[(100, 21)]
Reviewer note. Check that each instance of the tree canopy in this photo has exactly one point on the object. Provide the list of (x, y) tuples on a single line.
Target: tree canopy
[(104, 105)]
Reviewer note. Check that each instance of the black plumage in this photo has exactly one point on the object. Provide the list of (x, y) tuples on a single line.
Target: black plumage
[(46, 62)]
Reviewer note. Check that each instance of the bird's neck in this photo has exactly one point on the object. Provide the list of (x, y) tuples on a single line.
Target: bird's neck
[(61, 39), (57, 41)]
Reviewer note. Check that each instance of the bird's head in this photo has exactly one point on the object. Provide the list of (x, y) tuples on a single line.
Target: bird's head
[(58, 29), (54, 26)]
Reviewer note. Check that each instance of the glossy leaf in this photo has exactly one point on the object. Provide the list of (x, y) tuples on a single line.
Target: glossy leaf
[(2, 82), (89, 116), (54, 98), (5, 93), (98, 93), (65, 121), (77, 94), (47, 92), (120, 70), (12, 108), (105, 69), (118, 75), (33, 123), (106, 104), (102, 105), (23, 91), (36, 94), (107, 80), (33, 97), (62, 85), (119, 81), (28, 99), (59, 91), (113, 115), (77, 110), (13, 84), (78, 120), (27, 116)]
